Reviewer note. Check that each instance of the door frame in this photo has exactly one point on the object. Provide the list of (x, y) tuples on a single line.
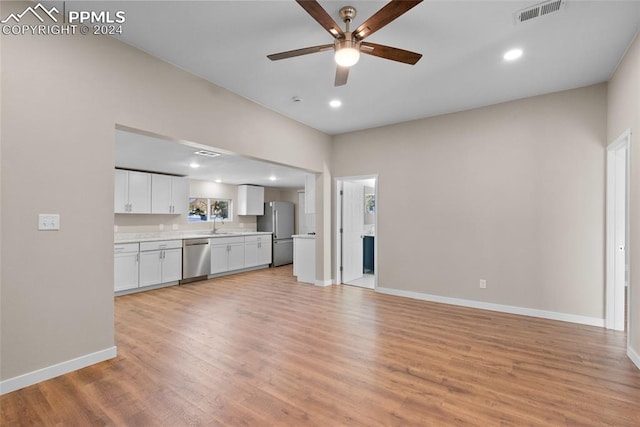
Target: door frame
[(615, 289), (338, 221)]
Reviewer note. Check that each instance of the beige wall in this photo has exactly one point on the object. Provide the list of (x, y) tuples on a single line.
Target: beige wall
[(512, 193), (623, 114), (61, 99)]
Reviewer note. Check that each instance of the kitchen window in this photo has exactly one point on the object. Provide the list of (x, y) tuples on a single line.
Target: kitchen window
[(208, 209)]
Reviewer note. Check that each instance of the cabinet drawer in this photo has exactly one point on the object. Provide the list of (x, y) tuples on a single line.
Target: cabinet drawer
[(257, 238), (226, 240), (160, 245), (122, 248)]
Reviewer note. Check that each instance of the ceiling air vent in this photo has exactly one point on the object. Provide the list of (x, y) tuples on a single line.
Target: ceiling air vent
[(539, 10), (207, 153)]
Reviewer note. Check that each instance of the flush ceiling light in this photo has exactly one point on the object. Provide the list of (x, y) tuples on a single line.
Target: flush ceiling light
[(194, 165), (218, 181), (335, 103), (512, 55), (272, 178)]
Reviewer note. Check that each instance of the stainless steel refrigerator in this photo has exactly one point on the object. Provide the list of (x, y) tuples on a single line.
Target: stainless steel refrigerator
[(278, 219)]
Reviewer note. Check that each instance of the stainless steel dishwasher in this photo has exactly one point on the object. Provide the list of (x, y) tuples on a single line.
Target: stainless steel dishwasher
[(196, 260)]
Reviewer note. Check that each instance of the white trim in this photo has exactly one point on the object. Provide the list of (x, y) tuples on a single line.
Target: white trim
[(614, 292), (328, 282), (635, 357), (25, 380), (523, 311)]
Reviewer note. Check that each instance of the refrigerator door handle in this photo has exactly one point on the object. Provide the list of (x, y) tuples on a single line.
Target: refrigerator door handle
[(275, 228)]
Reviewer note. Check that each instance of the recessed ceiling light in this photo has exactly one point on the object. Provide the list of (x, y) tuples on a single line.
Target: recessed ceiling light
[(194, 165), (335, 103), (218, 181), (272, 178), (512, 55)]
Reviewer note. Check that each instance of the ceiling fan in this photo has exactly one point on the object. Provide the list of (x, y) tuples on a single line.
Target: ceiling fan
[(348, 45)]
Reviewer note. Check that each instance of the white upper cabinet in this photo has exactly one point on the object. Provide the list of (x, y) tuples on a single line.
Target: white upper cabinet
[(310, 194), (250, 200), (132, 192), (169, 194)]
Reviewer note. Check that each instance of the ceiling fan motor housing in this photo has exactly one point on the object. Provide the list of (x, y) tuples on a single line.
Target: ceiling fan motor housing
[(347, 14)]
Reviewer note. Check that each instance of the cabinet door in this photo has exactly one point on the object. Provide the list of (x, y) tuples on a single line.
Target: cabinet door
[(236, 256), (125, 269), (160, 194), (172, 265), (219, 258), (179, 195), (250, 200), (139, 192), (150, 268), (251, 254), (121, 191), (264, 250)]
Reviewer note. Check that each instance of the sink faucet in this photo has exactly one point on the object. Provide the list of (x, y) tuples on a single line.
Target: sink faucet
[(214, 230)]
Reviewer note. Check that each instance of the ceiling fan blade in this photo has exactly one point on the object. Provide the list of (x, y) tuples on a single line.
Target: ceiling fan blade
[(388, 13), (392, 53), (316, 11), (342, 74), (299, 52)]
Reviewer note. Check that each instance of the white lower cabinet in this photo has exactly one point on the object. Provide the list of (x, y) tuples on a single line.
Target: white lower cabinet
[(125, 266), (160, 262), (257, 250), (227, 254)]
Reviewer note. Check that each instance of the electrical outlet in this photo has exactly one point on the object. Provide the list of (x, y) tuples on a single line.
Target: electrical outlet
[(483, 284), (161, 227), (174, 227), (48, 222)]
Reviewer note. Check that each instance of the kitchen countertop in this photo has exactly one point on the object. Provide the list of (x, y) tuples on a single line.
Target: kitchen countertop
[(304, 236), (179, 235)]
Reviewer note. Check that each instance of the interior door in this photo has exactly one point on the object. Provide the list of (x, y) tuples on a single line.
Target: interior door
[(352, 228)]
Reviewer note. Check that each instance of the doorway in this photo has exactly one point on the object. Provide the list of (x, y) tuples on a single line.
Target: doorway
[(617, 224), (356, 228)]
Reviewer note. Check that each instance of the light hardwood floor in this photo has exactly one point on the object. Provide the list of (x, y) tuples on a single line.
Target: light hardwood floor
[(260, 349)]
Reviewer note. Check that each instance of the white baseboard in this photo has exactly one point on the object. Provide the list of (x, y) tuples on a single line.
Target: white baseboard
[(324, 282), (552, 315), (635, 357), (25, 380)]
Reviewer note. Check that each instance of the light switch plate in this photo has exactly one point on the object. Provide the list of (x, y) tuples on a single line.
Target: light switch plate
[(48, 222)]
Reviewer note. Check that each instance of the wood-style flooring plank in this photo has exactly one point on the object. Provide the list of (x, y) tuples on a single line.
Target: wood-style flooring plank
[(259, 349)]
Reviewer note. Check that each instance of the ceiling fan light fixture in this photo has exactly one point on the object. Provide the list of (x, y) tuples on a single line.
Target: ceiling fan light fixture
[(347, 53)]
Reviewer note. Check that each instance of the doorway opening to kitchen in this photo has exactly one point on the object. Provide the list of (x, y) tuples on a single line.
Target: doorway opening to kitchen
[(356, 227), (617, 264)]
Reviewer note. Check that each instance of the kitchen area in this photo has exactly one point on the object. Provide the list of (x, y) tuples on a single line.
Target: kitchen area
[(184, 213)]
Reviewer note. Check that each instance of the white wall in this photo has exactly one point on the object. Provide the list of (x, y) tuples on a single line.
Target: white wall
[(61, 99), (512, 193), (624, 113)]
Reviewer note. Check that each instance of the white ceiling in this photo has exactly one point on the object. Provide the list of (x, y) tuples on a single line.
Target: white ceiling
[(156, 154), (226, 42)]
